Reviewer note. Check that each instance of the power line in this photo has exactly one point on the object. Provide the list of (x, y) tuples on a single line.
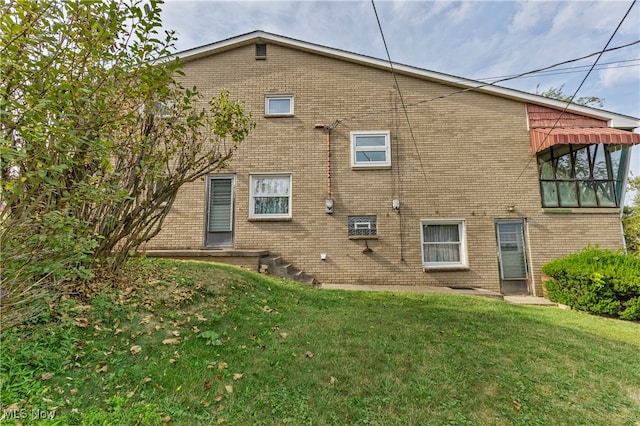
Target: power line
[(482, 85), (588, 73), (576, 92), (568, 70), (395, 79)]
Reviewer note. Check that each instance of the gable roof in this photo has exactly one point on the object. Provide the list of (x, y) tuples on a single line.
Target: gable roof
[(614, 120)]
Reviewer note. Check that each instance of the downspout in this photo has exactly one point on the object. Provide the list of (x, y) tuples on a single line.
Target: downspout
[(329, 200)]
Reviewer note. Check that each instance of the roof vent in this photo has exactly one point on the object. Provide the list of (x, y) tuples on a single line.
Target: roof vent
[(261, 51)]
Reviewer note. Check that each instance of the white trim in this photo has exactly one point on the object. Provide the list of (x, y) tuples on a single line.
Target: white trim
[(252, 215), (371, 164), (614, 119), (267, 98), (463, 263)]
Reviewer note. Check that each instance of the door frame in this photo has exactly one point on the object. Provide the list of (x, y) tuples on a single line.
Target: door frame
[(525, 254), (210, 178)]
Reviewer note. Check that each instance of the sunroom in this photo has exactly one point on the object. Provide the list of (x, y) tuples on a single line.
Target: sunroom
[(582, 167)]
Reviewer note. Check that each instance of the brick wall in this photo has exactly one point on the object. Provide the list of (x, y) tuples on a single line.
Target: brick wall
[(469, 158)]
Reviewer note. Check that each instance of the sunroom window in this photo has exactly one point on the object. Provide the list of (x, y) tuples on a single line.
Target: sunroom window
[(270, 196), (582, 175), (370, 149)]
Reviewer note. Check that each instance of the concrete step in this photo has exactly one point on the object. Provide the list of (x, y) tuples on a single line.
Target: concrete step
[(278, 266)]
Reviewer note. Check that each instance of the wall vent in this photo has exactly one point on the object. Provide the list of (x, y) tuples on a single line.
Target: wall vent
[(261, 51)]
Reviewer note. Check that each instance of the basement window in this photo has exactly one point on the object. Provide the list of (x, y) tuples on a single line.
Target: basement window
[(261, 51), (443, 243), (362, 227)]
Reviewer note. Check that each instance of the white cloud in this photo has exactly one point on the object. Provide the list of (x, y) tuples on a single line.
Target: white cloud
[(611, 75)]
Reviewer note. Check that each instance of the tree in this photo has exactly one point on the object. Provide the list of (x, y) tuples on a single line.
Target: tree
[(557, 93), (96, 137), (631, 218)]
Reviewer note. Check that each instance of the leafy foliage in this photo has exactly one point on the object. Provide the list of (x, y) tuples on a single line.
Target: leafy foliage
[(631, 218), (557, 93), (598, 281), (96, 137)]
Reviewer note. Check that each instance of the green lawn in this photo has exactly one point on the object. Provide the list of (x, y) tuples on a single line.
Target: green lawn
[(192, 343)]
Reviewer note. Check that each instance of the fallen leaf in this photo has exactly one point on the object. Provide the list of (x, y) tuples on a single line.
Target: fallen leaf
[(82, 322), (73, 391), (229, 388), (309, 354), (220, 420), (176, 333), (102, 369), (222, 365), (130, 394), (166, 420), (267, 309), (135, 349), (284, 335), (46, 376), (205, 403), (237, 376), (172, 361), (219, 397), (146, 319), (517, 404), (207, 384), (146, 379), (195, 329), (200, 317), (172, 341), (332, 380)]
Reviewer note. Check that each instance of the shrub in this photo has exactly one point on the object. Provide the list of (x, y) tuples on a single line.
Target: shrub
[(599, 281)]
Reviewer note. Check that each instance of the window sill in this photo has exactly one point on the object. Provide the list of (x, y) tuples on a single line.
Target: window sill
[(278, 115), (363, 237), (372, 167), (445, 268), (581, 210), (269, 219)]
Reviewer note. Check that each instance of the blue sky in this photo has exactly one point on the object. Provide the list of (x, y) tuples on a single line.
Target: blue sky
[(473, 39)]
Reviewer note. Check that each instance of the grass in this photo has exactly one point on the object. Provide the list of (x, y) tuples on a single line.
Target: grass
[(188, 343)]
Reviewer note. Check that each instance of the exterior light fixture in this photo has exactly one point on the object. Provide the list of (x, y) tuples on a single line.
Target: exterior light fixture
[(396, 204)]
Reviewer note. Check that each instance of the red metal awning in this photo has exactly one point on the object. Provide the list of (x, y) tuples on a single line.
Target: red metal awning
[(543, 138)]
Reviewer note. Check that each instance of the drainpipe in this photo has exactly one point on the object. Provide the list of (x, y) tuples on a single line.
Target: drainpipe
[(329, 200)]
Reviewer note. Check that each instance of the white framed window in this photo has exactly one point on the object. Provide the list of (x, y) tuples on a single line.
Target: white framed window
[(443, 243), (270, 196), (370, 149), (278, 105)]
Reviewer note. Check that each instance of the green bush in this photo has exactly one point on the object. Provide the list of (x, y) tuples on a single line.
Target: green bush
[(599, 281)]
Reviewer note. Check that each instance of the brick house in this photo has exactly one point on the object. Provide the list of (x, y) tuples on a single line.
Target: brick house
[(483, 187)]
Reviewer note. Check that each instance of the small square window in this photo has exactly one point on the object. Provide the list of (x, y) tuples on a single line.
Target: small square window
[(370, 149), (270, 196), (278, 105), (443, 243), (362, 226)]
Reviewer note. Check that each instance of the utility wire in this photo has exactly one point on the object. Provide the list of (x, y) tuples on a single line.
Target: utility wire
[(633, 3), (569, 70), (534, 155), (480, 86), (395, 79)]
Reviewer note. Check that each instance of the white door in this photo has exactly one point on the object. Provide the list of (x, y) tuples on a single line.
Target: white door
[(219, 216), (512, 256)]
